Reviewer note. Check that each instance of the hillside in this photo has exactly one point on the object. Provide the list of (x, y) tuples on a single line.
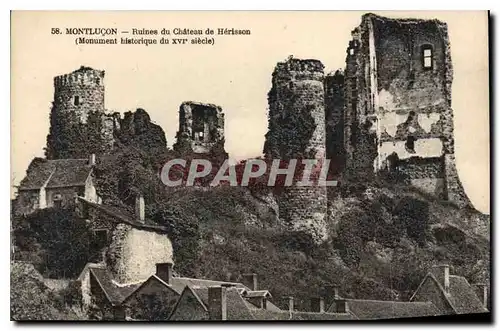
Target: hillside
[(383, 236), (381, 245)]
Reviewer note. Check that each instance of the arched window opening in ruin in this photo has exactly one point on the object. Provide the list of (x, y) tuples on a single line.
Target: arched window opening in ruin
[(76, 100), (410, 144), (427, 55), (351, 51), (204, 122)]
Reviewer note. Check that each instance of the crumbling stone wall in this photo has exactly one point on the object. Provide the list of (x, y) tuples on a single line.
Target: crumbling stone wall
[(359, 129), (133, 253), (398, 97), (296, 130), (201, 128), (334, 116), (427, 174)]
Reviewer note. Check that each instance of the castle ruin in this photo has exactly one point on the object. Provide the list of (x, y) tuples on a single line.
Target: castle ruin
[(297, 131), (201, 128), (397, 112), (388, 112), (78, 116)]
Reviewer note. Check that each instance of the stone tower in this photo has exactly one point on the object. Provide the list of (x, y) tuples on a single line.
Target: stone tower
[(77, 121), (79, 125), (398, 115), (80, 92), (201, 129), (296, 130)]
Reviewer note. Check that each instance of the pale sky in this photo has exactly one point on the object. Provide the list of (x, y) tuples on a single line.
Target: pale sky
[(235, 73)]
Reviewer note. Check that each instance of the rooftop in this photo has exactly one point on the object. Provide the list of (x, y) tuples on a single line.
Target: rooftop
[(378, 309), (56, 173)]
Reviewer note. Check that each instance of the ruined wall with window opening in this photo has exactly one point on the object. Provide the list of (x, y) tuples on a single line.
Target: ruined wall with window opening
[(398, 103)]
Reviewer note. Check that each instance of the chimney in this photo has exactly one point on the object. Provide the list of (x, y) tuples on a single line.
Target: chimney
[(482, 293), (217, 303), (140, 208), (92, 160), (290, 304), (164, 271), (330, 293), (118, 313), (318, 305), (442, 273), (341, 306), (250, 280)]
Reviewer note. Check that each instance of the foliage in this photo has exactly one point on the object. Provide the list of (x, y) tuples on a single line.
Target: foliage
[(70, 138), (30, 299), (56, 240)]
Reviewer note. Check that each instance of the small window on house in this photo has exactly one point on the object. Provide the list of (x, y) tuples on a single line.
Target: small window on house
[(57, 199), (76, 100), (427, 56)]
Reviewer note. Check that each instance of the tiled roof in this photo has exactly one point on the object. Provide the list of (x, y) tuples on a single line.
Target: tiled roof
[(378, 309), (266, 315), (236, 306), (463, 297), (114, 293), (56, 173), (180, 282), (69, 172)]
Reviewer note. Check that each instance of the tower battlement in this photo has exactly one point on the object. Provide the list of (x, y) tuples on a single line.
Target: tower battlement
[(84, 76), (292, 68)]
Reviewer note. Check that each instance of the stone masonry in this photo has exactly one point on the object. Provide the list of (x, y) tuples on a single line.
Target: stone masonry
[(201, 128), (80, 92), (79, 125), (398, 103), (297, 130)]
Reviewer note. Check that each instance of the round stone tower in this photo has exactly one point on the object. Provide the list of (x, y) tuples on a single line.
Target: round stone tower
[(78, 125), (79, 92), (297, 131)]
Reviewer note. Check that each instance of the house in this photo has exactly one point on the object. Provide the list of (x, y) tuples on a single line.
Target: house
[(439, 293), (219, 303), (55, 183), (379, 309), (157, 297), (451, 294)]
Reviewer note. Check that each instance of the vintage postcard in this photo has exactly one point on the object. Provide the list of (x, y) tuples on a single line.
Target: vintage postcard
[(257, 166)]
